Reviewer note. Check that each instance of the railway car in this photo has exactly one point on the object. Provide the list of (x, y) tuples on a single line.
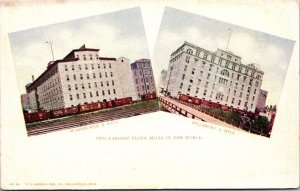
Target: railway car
[(107, 104), (149, 96), (185, 98), (196, 101), (58, 113), (90, 107), (37, 116), (122, 101)]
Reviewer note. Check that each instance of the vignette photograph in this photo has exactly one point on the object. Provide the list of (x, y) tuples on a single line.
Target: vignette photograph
[(220, 73), (84, 71)]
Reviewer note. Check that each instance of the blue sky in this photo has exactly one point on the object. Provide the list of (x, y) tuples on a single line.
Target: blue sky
[(271, 53), (116, 34)]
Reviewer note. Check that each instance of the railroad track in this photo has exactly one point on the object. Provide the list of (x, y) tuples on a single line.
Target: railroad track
[(78, 122)]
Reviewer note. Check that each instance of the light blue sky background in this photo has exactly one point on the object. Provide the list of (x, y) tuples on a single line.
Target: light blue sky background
[(115, 34), (270, 52)]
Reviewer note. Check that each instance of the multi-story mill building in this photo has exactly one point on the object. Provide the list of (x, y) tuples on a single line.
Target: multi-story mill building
[(218, 77), (143, 77), (81, 77)]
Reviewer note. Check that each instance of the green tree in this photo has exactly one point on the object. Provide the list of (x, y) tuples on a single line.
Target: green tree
[(262, 122)]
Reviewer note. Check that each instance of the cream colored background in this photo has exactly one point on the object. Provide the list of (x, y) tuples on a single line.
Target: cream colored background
[(218, 160)]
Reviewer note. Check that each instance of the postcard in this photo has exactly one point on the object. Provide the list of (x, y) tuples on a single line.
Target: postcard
[(62, 134)]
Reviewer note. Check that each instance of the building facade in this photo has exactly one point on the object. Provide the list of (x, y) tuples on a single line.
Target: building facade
[(25, 102), (81, 77), (261, 101), (163, 80), (218, 77), (143, 77)]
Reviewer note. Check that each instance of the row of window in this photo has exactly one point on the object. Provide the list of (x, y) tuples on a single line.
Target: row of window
[(90, 56), (89, 85), (87, 76), (86, 66), (84, 95)]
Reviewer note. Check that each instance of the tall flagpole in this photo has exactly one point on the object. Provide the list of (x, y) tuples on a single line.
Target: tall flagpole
[(50, 43), (228, 38)]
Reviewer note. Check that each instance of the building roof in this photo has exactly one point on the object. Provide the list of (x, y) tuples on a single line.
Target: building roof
[(82, 48)]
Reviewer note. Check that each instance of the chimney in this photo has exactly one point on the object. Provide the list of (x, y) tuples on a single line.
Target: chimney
[(32, 76)]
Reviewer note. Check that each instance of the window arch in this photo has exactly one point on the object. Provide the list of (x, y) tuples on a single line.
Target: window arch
[(225, 73), (189, 51), (258, 77)]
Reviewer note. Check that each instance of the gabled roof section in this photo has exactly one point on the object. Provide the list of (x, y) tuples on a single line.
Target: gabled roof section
[(82, 48)]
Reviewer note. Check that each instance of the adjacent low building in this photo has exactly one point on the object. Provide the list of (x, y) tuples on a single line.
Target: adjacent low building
[(81, 77), (218, 76), (261, 101), (143, 77)]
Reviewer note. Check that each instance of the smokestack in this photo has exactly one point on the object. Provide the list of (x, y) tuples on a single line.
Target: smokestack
[(32, 76)]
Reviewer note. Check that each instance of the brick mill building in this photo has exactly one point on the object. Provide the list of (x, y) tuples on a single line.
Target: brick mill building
[(143, 77), (81, 77), (219, 77)]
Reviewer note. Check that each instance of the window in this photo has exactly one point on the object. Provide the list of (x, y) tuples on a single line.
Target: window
[(95, 84), (66, 68), (201, 73), (87, 76), (244, 78), (245, 104), (84, 58), (91, 94), (113, 82), (254, 91), (206, 84), (189, 51), (204, 93), (79, 66), (241, 94), (181, 85), (106, 74), (253, 98), (239, 103), (86, 66), (199, 82), (82, 85), (97, 56), (225, 73), (69, 87), (100, 76), (71, 98), (101, 83), (256, 83), (191, 80), (91, 57), (114, 91), (76, 87), (136, 81), (73, 67), (97, 94), (203, 64), (183, 75), (98, 65), (232, 101), (234, 92), (74, 77), (208, 76), (92, 66), (187, 60), (108, 92), (94, 75), (238, 77), (193, 71), (109, 65), (107, 83), (103, 93), (68, 78), (197, 90), (104, 65), (236, 84), (213, 87), (189, 88), (205, 56), (210, 67), (77, 56), (84, 96), (81, 76), (77, 95), (111, 74), (242, 88), (229, 90)]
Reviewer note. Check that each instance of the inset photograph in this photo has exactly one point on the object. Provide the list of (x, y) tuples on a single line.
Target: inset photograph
[(84, 71), (220, 73)]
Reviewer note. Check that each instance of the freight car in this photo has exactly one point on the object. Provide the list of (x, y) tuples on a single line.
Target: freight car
[(88, 107), (37, 116), (149, 96)]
